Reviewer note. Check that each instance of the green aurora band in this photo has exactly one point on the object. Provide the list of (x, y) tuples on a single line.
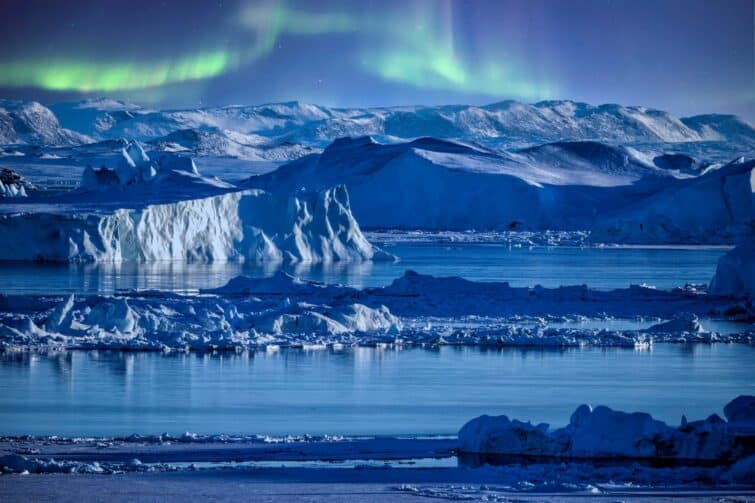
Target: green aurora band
[(83, 76), (416, 49)]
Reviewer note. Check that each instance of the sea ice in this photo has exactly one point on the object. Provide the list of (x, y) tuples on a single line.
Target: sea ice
[(285, 311)]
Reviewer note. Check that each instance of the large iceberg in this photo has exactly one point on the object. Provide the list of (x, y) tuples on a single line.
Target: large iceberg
[(616, 192), (143, 209), (243, 225), (601, 432)]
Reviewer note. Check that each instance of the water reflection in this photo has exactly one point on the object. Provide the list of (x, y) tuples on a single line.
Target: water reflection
[(599, 268), (357, 391)]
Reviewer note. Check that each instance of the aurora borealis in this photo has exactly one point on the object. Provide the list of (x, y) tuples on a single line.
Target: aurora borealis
[(688, 56), (62, 75)]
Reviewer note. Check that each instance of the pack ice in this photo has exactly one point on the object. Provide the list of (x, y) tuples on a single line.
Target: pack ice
[(413, 310), (138, 208)]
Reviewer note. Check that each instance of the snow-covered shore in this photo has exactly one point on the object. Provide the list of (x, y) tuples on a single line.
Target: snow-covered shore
[(414, 309)]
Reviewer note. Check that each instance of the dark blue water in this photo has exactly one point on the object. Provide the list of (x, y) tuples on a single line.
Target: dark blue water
[(596, 267), (357, 391)]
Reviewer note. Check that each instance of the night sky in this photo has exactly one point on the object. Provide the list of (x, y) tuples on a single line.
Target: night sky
[(685, 56)]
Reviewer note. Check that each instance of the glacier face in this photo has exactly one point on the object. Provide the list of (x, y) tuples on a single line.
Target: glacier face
[(242, 225)]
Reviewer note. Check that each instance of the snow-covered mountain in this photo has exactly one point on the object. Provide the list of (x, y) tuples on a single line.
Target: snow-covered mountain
[(286, 131), (34, 124), (217, 142)]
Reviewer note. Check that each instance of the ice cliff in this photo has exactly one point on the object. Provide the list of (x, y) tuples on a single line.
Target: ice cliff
[(244, 225)]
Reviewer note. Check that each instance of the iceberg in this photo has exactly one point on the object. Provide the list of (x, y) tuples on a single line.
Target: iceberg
[(616, 193), (140, 209), (12, 184), (602, 432), (243, 225)]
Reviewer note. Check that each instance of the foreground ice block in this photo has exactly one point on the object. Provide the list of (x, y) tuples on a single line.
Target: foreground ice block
[(601, 432)]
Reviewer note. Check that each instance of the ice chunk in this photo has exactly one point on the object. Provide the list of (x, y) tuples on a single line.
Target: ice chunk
[(604, 432), (13, 185), (500, 435), (683, 323), (741, 410), (735, 273)]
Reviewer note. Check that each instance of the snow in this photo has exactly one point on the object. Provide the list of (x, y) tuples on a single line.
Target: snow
[(543, 174), (601, 432), (735, 273)]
